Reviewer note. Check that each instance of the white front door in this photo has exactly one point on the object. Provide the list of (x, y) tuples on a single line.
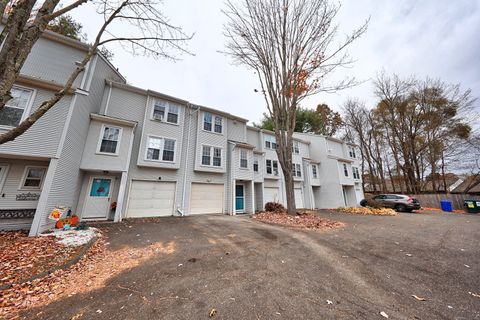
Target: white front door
[(299, 198), (98, 198)]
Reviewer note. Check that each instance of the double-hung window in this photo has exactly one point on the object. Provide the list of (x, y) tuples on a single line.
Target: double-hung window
[(296, 148), (268, 166), (356, 173), (207, 121), (275, 167), (255, 163), (272, 167), (345, 170), (296, 170), (161, 149), (13, 111), (351, 152), (270, 142), (218, 124), (33, 178), (314, 171), (208, 159), (165, 111), (243, 158), (109, 140)]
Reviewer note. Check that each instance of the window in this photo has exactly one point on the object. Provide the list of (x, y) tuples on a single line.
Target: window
[(160, 108), (351, 152), (296, 170), (217, 157), (33, 178), (270, 142), (296, 148), (255, 163), (356, 173), (218, 124), (12, 113), (208, 160), (345, 170), (314, 171), (109, 140), (275, 167), (161, 146), (269, 166), (206, 155), (243, 159)]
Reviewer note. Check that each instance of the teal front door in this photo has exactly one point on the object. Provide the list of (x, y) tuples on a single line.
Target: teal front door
[(239, 198)]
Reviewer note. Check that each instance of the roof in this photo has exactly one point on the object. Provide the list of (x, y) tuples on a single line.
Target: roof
[(273, 133), (470, 185)]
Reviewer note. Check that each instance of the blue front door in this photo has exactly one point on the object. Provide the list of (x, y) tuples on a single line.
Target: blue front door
[(239, 198)]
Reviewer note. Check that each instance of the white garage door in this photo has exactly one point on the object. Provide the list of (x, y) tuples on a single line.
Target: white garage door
[(299, 198), (206, 198), (271, 194), (151, 199)]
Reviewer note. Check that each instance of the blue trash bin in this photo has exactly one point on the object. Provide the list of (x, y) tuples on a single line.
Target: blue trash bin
[(446, 205)]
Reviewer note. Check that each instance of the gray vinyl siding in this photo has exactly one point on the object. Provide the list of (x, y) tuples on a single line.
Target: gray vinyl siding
[(253, 138), (335, 149), (14, 178), (92, 160), (237, 130), (162, 129), (68, 178), (52, 61), (238, 172), (125, 104), (43, 138)]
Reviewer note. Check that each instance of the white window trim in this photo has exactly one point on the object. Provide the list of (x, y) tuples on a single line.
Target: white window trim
[(352, 150), (161, 149), (295, 171), (316, 171), (4, 175), (21, 187), (100, 138), (167, 108), (297, 145), (28, 107), (255, 161), (211, 156), (240, 158), (355, 173), (213, 124), (273, 170), (270, 139)]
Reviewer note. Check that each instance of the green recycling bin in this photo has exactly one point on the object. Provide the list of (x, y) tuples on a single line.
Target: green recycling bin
[(472, 206)]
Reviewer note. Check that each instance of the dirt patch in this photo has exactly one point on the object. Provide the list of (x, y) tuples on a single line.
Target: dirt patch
[(23, 257), (304, 221)]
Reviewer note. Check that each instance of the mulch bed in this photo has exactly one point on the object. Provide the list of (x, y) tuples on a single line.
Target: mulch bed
[(23, 257), (304, 221)]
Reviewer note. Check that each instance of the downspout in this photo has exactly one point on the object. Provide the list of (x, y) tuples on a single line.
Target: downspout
[(108, 98), (184, 191)]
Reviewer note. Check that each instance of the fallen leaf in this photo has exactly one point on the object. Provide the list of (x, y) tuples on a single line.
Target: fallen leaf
[(474, 294), (383, 314), (408, 254), (329, 302), (99, 311), (212, 313), (449, 307), (466, 265), (419, 298), (77, 316)]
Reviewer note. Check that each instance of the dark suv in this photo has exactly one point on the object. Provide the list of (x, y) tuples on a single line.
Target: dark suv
[(399, 202)]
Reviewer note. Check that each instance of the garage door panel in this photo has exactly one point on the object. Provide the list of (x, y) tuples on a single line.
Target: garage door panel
[(206, 198), (271, 194), (151, 199)]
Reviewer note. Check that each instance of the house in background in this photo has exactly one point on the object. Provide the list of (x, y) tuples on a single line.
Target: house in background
[(110, 150)]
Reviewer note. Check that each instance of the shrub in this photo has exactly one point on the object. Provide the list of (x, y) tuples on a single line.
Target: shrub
[(274, 207)]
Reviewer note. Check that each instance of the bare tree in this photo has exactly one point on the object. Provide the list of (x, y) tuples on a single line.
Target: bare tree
[(24, 21), (289, 45)]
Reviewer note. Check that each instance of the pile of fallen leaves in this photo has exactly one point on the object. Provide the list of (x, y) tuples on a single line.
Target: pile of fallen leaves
[(368, 211), (23, 257), (92, 272), (303, 221)]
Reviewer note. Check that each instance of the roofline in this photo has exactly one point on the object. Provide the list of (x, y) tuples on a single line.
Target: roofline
[(43, 84), (114, 120), (223, 113), (272, 132)]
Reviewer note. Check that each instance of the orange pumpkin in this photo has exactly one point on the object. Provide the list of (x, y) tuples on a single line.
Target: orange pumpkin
[(59, 224), (74, 220)]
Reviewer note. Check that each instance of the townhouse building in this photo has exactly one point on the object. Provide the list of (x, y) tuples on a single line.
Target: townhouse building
[(110, 150)]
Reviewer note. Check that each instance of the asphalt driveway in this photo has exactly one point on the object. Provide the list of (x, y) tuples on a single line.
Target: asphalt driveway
[(249, 270)]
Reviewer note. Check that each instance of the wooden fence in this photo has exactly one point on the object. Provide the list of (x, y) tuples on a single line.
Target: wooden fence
[(433, 200)]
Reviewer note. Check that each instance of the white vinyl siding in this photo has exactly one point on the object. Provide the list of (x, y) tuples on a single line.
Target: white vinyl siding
[(16, 109)]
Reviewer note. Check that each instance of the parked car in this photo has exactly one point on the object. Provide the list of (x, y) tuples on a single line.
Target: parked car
[(399, 202)]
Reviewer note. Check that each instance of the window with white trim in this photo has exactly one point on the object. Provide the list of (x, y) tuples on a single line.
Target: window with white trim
[(255, 163), (345, 170), (109, 140), (296, 170), (351, 152), (33, 178), (270, 142), (356, 173), (314, 171), (296, 147), (165, 111), (211, 156), (218, 124), (271, 167), (14, 110), (243, 158), (160, 149), (207, 121)]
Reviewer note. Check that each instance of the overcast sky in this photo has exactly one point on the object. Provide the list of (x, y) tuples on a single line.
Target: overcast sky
[(435, 38)]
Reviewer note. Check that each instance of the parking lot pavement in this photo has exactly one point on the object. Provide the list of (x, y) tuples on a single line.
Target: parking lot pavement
[(248, 270)]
